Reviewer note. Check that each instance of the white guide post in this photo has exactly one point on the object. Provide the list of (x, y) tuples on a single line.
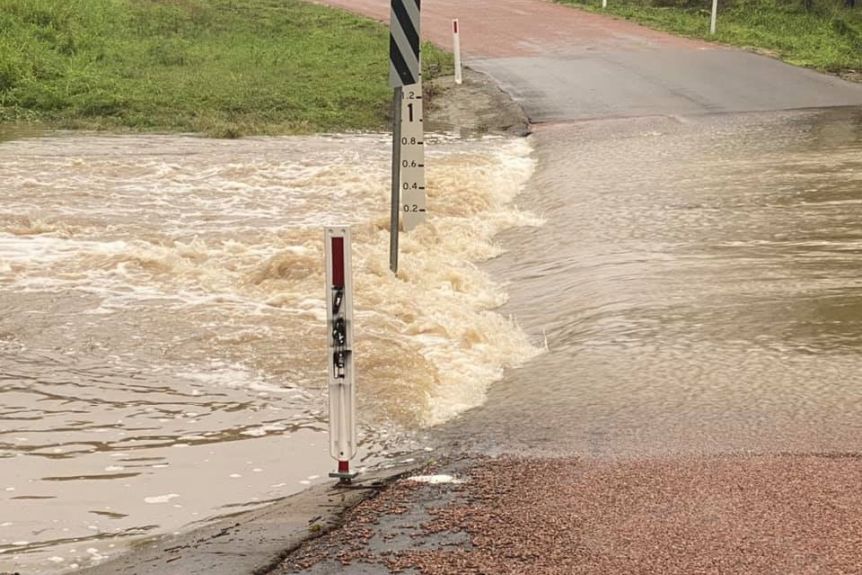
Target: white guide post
[(713, 17), (412, 157), (604, 3), (339, 322), (456, 50)]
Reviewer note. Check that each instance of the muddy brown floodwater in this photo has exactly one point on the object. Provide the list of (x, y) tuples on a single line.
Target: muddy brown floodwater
[(162, 325), (695, 283), (699, 282)]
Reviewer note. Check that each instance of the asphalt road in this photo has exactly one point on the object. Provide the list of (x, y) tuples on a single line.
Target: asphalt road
[(563, 64)]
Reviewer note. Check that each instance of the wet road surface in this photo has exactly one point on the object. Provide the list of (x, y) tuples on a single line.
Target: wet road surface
[(563, 64)]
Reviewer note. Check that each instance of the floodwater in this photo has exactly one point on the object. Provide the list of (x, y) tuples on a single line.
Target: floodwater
[(674, 286), (162, 335), (699, 284)]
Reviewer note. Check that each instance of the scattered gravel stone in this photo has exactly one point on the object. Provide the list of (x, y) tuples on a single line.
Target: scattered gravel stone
[(741, 515)]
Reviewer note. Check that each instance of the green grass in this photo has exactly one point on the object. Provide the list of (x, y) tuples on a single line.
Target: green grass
[(220, 67), (825, 36)]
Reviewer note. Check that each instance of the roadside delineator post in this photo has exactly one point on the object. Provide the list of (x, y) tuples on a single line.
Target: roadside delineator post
[(604, 4), (339, 322), (408, 134), (713, 17), (456, 50)]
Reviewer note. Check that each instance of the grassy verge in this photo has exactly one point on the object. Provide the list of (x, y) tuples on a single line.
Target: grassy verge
[(823, 35), (220, 67)]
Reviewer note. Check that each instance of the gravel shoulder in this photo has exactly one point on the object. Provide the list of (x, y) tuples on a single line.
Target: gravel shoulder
[(728, 514)]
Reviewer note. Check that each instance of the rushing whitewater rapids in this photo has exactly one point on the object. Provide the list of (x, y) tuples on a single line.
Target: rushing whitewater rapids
[(162, 323)]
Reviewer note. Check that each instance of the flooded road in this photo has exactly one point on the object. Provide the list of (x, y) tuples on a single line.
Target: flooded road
[(162, 323), (699, 282), (695, 282)]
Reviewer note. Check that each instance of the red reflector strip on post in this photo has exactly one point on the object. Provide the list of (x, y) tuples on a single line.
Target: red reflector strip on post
[(344, 467), (338, 262), (455, 26)]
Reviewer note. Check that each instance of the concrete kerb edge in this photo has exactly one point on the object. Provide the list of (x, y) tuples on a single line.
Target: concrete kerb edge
[(376, 481), (257, 541)]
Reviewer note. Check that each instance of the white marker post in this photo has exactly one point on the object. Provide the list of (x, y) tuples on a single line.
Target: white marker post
[(339, 322), (604, 4), (713, 17), (456, 50)]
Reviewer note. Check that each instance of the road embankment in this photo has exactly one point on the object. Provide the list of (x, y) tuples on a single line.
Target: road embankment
[(223, 68)]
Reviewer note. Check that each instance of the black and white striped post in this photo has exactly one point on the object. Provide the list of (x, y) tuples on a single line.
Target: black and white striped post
[(404, 70)]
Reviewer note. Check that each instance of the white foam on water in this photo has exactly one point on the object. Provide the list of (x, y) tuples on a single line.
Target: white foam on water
[(155, 499), (179, 248), (436, 479), (442, 303), (35, 250)]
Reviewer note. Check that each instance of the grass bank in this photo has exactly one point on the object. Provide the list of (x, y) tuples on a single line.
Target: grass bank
[(821, 34), (220, 67)]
